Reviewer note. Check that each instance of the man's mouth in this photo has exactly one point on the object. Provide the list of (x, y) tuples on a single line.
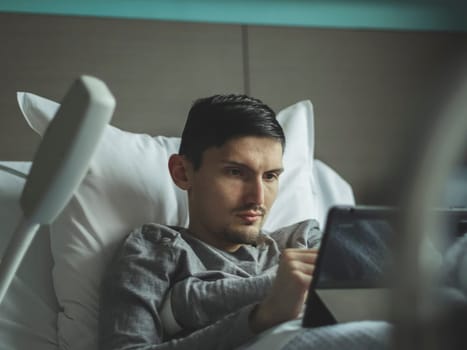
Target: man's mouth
[(250, 217)]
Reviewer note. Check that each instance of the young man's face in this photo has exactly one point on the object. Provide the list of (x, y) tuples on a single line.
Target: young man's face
[(233, 190)]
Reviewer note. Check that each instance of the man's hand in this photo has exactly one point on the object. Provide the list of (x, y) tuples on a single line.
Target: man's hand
[(289, 291)]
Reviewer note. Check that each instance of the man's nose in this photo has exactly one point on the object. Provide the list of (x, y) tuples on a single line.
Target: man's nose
[(255, 192)]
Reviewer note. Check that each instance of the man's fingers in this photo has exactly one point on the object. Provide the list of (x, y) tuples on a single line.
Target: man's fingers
[(302, 250), (298, 260), (301, 279), (305, 255), (303, 267)]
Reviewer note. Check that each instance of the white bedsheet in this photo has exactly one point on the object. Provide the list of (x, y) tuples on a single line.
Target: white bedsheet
[(28, 313)]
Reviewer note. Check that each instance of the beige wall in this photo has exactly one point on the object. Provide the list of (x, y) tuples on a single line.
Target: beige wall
[(373, 91), (155, 69)]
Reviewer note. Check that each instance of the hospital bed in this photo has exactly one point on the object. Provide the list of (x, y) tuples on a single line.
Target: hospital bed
[(53, 299)]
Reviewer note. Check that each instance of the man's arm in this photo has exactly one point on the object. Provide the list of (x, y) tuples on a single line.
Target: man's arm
[(289, 291), (286, 299), (196, 303), (135, 288)]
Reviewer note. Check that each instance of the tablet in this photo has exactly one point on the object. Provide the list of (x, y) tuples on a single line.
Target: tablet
[(350, 281)]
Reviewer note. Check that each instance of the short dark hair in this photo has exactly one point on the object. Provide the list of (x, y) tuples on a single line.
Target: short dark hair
[(212, 121)]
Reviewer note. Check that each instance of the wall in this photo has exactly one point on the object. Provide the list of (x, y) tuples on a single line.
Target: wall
[(374, 91)]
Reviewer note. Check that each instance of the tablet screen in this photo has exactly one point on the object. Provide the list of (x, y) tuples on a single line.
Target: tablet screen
[(357, 253)]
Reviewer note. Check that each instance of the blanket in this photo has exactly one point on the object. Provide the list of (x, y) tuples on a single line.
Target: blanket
[(364, 335)]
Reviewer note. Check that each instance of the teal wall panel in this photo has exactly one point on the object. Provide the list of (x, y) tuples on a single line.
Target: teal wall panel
[(438, 15)]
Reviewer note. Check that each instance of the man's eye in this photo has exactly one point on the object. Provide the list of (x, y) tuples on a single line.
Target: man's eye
[(271, 176), (234, 171)]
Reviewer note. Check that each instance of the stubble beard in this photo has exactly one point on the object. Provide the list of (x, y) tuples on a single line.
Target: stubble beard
[(246, 235)]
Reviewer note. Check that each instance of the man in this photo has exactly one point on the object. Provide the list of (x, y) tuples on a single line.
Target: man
[(221, 281)]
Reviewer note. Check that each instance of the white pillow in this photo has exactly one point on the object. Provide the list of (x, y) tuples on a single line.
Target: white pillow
[(128, 184)]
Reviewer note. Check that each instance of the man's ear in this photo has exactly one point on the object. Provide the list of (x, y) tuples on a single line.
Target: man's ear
[(179, 169)]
